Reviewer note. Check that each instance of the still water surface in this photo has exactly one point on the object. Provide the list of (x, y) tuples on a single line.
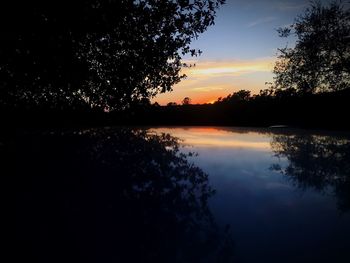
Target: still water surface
[(285, 194), (208, 194)]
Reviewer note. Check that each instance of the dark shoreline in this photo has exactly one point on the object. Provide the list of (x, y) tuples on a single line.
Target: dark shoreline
[(327, 111)]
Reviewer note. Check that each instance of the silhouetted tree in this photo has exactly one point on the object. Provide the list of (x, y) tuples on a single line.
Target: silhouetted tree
[(172, 104), (242, 95), (239, 96), (186, 101), (95, 53), (320, 60)]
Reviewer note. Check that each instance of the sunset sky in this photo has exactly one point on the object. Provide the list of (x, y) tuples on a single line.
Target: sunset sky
[(238, 51)]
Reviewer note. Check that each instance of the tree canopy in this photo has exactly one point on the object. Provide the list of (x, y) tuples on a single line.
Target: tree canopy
[(186, 101), (235, 97), (95, 53), (320, 60)]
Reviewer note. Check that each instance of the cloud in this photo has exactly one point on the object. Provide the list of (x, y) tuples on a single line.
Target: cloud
[(229, 68), (287, 6), (261, 21), (274, 5), (211, 79), (209, 88)]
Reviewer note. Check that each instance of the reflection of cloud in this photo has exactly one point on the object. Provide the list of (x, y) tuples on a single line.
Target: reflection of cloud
[(212, 137), (228, 144), (261, 21)]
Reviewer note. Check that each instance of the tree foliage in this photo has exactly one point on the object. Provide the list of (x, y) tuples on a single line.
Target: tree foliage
[(235, 97), (320, 60), (186, 101), (95, 53)]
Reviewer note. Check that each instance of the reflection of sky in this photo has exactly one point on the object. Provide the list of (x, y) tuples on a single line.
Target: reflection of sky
[(267, 214), (211, 137)]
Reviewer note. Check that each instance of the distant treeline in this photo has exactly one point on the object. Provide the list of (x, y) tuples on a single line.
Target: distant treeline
[(322, 110)]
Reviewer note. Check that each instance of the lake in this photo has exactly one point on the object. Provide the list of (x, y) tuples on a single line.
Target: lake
[(181, 194)]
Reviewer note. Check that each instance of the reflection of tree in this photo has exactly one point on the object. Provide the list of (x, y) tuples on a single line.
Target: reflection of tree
[(113, 195), (316, 162)]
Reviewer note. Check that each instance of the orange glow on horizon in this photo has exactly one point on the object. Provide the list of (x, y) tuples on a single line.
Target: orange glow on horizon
[(209, 80), (211, 101)]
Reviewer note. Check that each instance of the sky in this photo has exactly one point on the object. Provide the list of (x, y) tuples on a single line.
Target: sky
[(239, 51)]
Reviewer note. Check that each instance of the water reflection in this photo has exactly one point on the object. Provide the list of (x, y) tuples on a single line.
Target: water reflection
[(317, 162), (112, 195), (126, 195), (272, 220)]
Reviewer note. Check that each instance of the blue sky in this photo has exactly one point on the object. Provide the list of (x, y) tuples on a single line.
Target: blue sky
[(238, 51)]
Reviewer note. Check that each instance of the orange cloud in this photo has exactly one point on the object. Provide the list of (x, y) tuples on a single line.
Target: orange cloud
[(234, 67), (209, 80)]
